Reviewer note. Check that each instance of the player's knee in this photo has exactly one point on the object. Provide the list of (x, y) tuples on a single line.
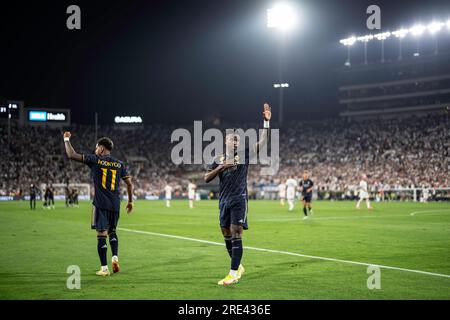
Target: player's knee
[(112, 235), (226, 232), (236, 242), (102, 233), (236, 231)]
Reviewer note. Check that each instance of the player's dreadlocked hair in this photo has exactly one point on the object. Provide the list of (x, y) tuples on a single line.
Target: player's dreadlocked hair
[(106, 142)]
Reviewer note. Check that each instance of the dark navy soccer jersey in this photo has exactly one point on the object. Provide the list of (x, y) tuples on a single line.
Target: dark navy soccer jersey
[(106, 172), (233, 181), (306, 184), (33, 191)]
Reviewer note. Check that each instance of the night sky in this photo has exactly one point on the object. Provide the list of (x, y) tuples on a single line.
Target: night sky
[(180, 61)]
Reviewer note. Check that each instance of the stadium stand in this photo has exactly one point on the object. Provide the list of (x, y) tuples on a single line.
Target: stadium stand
[(394, 153)]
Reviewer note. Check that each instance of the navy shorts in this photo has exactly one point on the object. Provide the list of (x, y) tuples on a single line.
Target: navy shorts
[(233, 212), (104, 219), (307, 197)]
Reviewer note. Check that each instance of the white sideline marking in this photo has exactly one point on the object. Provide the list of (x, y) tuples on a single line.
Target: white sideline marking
[(287, 253), (424, 211)]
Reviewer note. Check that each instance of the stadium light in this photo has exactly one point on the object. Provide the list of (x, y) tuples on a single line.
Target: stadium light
[(382, 36), (282, 17), (281, 85), (435, 27), (417, 30), (401, 33), (365, 38), (348, 42)]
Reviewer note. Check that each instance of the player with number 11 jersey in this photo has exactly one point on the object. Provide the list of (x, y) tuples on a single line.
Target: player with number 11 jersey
[(107, 172)]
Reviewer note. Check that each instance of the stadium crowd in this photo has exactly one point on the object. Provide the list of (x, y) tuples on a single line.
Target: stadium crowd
[(394, 154), (398, 153)]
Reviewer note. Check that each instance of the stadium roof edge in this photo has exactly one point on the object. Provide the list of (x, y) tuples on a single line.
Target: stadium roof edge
[(415, 30), (393, 110), (392, 83)]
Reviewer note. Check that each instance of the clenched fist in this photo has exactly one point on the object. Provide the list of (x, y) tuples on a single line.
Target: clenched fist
[(267, 113), (67, 134)]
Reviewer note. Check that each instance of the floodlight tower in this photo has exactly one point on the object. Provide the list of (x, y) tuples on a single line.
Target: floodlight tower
[(365, 39), (434, 28), (417, 31), (400, 34), (283, 18), (382, 36), (348, 43)]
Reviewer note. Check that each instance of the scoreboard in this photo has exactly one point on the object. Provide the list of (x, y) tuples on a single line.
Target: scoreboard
[(15, 110), (11, 109)]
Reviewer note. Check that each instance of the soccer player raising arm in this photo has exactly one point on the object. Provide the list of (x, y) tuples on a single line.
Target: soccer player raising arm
[(233, 195), (106, 172)]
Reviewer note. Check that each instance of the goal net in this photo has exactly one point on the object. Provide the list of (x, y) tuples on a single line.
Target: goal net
[(84, 190)]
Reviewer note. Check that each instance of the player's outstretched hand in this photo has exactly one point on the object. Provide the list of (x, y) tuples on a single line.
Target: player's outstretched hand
[(67, 134), (267, 113), (129, 207)]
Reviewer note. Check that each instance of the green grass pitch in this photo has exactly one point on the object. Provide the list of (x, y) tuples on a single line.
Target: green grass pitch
[(37, 247)]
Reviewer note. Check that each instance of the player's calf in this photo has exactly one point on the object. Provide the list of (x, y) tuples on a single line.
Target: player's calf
[(102, 251), (228, 244), (114, 243), (236, 255)]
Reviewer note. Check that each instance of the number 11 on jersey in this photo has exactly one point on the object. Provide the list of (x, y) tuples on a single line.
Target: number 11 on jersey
[(113, 178)]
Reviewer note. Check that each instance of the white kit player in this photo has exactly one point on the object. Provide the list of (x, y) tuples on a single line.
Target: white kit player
[(191, 194), (363, 192), (282, 193), (168, 189), (425, 194), (291, 188)]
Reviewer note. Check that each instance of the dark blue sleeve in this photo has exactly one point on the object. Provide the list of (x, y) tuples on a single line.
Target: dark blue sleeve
[(90, 159), (124, 173)]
